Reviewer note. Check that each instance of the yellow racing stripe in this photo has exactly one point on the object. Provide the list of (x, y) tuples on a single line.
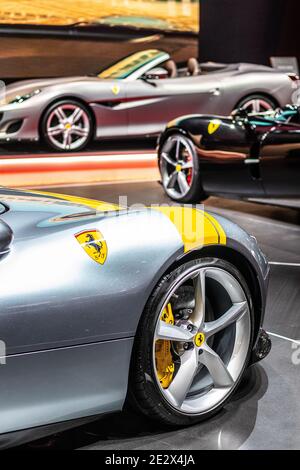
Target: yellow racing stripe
[(196, 227), (219, 228), (91, 203)]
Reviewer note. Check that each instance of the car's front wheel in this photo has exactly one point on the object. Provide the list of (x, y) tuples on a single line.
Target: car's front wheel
[(193, 343), (179, 169), (67, 126)]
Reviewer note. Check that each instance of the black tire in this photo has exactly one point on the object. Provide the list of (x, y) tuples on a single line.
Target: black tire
[(43, 125), (144, 394), (264, 99), (196, 193)]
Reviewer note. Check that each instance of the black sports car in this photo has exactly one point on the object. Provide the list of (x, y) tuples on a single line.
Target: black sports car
[(243, 155)]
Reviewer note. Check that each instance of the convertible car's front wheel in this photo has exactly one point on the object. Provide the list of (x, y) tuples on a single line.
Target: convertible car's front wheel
[(179, 169), (193, 343), (67, 126)]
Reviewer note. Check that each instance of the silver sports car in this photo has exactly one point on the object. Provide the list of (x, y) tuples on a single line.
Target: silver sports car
[(160, 306), (137, 96)]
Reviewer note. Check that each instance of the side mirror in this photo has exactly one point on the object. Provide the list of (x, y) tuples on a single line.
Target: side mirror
[(157, 73), (6, 236)]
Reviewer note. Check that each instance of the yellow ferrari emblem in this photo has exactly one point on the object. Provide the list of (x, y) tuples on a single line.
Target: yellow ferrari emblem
[(93, 243), (115, 89), (178, 168), (199, 339), (213, 126)]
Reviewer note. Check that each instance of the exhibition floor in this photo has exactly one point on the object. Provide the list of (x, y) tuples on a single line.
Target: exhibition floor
[(265, 413)]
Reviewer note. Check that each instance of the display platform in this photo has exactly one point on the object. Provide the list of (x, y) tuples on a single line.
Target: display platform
[(255, 418)]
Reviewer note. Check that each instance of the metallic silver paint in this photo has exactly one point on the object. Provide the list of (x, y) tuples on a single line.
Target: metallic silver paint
[(63, 384)]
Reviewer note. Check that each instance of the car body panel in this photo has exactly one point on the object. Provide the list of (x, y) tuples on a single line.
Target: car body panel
[(69, 322), (135, 105), (63, 384)]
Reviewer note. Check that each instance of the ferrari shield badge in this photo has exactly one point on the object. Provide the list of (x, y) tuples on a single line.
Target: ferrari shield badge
[(93, 243), (213, 126)]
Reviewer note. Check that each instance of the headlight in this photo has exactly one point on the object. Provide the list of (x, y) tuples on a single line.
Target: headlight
[(20, 99)]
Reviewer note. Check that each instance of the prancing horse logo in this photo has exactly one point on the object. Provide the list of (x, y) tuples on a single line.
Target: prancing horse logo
[(93, 243), (213, 126)]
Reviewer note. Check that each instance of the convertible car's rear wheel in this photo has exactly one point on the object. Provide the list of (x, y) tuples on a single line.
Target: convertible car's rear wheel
[(67, 126), (257, 104), (193, 343), (179, 169)]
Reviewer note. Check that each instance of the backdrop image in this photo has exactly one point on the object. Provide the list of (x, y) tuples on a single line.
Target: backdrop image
[(179, 15), (78, 37)]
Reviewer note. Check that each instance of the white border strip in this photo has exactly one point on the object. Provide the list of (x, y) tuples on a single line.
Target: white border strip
[(294, 341), (78, 159), (277, 263)]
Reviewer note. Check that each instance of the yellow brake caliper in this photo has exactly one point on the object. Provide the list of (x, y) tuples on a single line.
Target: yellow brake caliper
[(163, 356)]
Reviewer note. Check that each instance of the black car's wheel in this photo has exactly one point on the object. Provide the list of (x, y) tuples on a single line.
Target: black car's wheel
[(257, 104), (179, 169), (67, 126), (193, 343)]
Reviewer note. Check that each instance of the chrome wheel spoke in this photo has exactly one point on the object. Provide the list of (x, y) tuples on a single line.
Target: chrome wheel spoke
[(79, 131), (177, 151), (66, 140), (168, 159), (182, 381), (172, 180), (76, 115), (216, 368), (182, 182), (172, 332), (198, 315), (56, 130), (232, 315), (256, 106), (60, 114), (187, 165)]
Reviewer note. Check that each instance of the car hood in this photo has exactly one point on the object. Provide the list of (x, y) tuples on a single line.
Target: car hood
[(60, 205), (25, 87)]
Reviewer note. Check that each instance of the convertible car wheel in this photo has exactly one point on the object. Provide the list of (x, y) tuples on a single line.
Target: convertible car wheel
[(179, 168), (193, 343), (257, 104), (67, 126)]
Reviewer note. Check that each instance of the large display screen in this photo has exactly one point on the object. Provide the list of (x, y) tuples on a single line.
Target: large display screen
[(173, 15)]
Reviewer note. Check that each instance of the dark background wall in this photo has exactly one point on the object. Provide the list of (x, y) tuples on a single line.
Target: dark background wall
[(249, 30)]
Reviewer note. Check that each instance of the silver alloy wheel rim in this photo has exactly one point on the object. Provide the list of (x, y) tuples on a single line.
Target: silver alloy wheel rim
[(176, 160), (257, 105), (223, 376), (68, 127)]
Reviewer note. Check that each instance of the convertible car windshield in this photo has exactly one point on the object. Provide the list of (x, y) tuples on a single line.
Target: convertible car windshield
[(125, 67)]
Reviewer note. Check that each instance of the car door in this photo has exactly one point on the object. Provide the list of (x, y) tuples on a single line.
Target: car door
[(110, 108), (153, 103), (280, 161)]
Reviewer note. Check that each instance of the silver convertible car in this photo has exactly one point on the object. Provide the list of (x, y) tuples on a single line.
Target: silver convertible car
[(137, 96), (161, 307)]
